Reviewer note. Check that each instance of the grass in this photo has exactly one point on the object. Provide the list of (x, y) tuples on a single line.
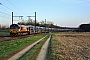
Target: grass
[(32, 54), (8, 47), (51, 55), (4, 32)]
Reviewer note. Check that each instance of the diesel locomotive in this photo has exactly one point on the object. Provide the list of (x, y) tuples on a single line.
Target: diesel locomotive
[(16, 29)]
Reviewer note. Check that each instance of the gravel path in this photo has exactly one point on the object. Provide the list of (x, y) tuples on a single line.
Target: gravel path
[(42, 54)]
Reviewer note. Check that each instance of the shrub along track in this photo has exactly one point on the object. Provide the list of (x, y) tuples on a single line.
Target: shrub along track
[(9, 48)]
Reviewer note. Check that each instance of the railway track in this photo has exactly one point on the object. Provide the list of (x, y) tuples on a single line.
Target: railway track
[(27, 49), (8, 37)]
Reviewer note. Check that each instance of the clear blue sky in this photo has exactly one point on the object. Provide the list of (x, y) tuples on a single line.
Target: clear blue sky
[(62, 12)]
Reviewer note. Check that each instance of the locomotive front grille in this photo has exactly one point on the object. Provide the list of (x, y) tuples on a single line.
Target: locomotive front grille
[(13, 30)]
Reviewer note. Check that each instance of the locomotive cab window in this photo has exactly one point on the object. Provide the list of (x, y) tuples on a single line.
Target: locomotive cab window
[(14, 27)]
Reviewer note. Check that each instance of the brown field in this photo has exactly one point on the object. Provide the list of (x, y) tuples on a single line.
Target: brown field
[(71, 46)]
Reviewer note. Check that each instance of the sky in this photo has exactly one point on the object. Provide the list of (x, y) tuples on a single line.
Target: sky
[(65, 13)]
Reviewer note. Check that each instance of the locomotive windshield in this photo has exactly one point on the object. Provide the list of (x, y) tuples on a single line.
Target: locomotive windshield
[(14, 26)]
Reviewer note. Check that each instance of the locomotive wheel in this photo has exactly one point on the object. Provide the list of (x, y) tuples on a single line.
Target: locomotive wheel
[(16, 34), (28, 33)]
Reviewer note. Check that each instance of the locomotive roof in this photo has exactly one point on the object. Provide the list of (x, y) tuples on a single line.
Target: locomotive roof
[(19, 25)]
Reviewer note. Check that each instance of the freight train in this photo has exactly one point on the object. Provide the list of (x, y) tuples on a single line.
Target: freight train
[(16, 29)]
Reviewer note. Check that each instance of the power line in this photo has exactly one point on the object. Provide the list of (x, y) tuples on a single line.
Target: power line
[(5, 17), (0, 3), (5, 13), (15, 6), (4, 10), (9, 8)]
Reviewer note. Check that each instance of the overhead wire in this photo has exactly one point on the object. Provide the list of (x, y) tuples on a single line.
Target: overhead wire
[(16, 7), (4, 15), (10, 9), (5, 11)]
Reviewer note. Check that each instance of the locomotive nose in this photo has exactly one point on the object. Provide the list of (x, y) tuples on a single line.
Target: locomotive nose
[(13, 31)]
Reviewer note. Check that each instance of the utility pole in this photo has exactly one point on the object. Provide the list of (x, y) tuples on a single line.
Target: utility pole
[(45, 25), (35, 20), (51, 26), (12, 17), (15, 16)]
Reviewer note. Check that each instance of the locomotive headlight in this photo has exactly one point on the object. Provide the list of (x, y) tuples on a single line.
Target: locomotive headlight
[(19, 29), (10, 30)]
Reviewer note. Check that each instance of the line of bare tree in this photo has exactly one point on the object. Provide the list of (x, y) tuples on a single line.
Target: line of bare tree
[(4, 26), (41, 23)]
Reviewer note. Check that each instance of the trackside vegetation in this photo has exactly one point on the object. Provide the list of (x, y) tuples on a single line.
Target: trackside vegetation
[(33, 53), (51, 55), (7, 47), (4, 32)]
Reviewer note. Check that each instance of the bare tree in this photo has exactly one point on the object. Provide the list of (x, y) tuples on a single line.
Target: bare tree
[(29, 21), (42, 22), (0, 25)]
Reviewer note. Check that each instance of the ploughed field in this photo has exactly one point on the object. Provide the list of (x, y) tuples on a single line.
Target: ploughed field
[(70, 46)]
